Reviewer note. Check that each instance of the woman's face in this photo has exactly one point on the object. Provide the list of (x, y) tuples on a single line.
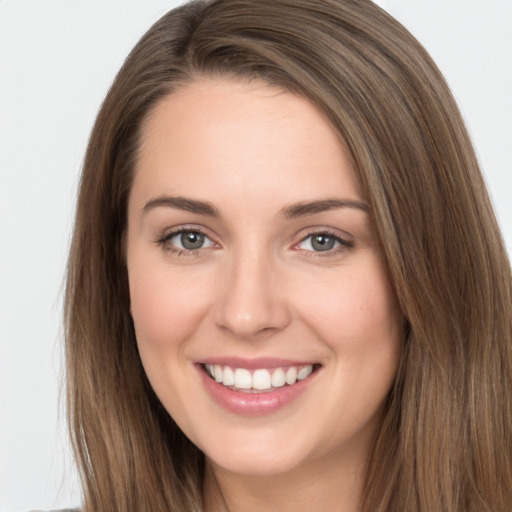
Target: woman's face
[(251, 257)]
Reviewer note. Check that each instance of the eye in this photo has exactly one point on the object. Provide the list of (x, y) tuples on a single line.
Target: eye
[(186, 240), (323, 242)]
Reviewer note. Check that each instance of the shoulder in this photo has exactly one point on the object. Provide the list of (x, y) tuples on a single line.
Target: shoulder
[(60, 510)]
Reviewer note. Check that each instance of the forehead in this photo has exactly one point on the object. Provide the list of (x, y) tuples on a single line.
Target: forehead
[(243, 138)]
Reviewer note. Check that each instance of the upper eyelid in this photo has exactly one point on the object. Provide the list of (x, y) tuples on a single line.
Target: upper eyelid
[(341, 240), (173, 231), (320, 230), (328, 234)]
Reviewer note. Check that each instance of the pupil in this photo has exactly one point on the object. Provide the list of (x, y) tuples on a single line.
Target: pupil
[(322, 243), (192, 240)]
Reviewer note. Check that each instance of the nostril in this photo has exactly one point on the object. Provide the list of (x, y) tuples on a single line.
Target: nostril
[(251, 303)]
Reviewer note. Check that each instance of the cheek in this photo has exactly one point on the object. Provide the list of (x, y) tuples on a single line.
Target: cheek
[(165, 305), (357, 316), (165, 308), (361, 324), (358, 306)]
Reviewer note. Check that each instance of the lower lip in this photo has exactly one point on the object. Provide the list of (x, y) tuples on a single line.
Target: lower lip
[(254, 404)]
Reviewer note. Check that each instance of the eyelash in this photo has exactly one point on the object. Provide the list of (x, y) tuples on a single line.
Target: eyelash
[(344, 245), (164, 242)]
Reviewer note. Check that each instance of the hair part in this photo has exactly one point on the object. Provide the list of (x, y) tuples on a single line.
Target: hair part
[(445, 443)]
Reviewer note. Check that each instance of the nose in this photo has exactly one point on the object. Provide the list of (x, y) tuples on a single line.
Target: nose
[(252, 300)]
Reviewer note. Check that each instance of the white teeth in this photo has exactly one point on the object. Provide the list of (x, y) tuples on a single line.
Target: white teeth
[(278, 378), (304, 372), (291, 376), (243, 379), (229, 377), (261, 379)]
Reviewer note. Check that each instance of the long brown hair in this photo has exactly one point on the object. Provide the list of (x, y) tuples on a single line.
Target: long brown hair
[(445, 443)]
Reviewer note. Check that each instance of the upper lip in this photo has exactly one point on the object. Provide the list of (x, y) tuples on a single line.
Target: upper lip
[(254, 363)]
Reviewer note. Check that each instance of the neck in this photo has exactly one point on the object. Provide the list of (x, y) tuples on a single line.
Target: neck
[(328, 484)]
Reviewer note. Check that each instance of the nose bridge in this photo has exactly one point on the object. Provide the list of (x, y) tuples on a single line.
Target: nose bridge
[(252, 300)]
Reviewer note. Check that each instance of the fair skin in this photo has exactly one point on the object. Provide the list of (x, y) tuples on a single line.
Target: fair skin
[(250, 248)]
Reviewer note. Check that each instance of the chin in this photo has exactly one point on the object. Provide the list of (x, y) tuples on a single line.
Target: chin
[(258, 455), (264, 465)]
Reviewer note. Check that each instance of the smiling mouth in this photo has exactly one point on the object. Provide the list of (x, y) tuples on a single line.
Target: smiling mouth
[(259, 380)]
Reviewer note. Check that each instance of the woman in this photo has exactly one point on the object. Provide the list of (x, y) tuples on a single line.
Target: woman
[(287, 288)]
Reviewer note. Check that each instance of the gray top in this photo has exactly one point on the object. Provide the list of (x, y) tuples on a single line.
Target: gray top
[(60, 510)]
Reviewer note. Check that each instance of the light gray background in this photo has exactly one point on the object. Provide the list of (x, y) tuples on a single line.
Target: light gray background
[(57, 59)]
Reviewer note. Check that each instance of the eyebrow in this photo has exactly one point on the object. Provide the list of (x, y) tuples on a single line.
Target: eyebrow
[(312, 207), (182, 203), (293, 211)]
